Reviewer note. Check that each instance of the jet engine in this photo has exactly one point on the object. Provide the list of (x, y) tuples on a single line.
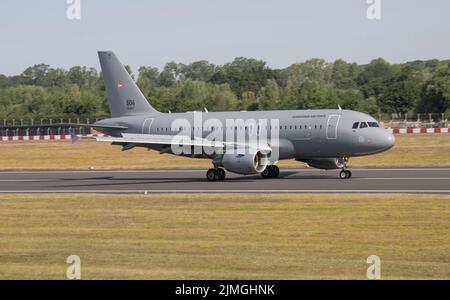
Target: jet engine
[(252, 162), (325, 163)]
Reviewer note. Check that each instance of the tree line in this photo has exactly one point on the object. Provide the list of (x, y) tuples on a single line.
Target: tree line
[(243, 84)]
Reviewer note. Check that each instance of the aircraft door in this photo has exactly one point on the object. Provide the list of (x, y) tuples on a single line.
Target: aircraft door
[(332, 126), (146, 126)]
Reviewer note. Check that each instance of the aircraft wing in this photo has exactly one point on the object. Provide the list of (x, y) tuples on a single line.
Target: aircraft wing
[(157, 139), (130, 140)]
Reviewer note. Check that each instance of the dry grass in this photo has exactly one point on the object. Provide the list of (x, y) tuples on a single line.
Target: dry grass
[(410, 151), (225, 236)]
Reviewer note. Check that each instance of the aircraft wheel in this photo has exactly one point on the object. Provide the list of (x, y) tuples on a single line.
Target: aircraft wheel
[(267, 172), (345, 174), (212, 175), (221, 174), (275, 171)]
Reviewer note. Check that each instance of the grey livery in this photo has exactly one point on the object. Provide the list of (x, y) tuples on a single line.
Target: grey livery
[(324, 139)]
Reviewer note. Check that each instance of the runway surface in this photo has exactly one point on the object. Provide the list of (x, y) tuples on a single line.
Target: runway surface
[(193, 181)]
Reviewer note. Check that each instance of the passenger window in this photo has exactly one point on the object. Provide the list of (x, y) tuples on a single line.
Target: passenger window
[(363, 125), (355, 125)]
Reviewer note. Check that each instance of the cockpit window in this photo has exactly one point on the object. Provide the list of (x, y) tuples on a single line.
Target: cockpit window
[(373, 124), (363, 125), (355, 125)]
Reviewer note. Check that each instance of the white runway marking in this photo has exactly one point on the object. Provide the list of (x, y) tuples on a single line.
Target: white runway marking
[(150, 179), (204, 170), (228, 191), (25, 180), (405, 178)]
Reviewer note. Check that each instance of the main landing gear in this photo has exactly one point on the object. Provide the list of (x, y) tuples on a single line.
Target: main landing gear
[(217, 174), (271, 172)]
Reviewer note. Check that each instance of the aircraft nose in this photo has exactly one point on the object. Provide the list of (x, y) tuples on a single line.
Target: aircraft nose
[(382, 141), (389, 140)]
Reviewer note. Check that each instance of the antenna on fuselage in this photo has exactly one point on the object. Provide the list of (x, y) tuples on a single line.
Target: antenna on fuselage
[(340, 108)]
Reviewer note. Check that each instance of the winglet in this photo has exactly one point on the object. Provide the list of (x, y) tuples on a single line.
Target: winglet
[(340, 108)]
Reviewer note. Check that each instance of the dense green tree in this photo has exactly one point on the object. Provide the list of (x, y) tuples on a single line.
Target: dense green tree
[(306, 85), (83, 77), (243, 75), (435, 96), (269, 95), (243, 84), (347, 98), (221, 98), (249, 101), (4, 81), (199, 70), (369, 106), (344, 75), (402, 92), (149, 74), (373, 78), (43, 75), (170, 74)]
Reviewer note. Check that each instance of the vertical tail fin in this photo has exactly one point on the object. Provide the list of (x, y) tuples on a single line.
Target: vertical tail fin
[(124, 97)]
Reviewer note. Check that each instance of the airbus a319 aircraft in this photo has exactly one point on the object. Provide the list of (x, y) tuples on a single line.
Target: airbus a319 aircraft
[(323, 139)]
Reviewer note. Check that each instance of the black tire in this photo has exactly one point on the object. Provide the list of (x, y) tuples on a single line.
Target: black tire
[(349, 174), (267, 173), (343, 175), (275, 171), (212, 175), (221, 174)]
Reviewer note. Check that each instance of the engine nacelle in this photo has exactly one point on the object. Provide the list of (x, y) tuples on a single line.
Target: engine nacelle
[(325, 163), (252, 162)]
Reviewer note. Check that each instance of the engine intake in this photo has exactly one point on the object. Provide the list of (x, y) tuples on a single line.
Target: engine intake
[(253, 162)]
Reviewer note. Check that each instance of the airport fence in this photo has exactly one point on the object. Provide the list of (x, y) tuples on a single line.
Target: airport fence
[(44, 127), (410, 120)]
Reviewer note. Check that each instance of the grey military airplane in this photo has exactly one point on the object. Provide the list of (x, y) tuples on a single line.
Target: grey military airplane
[(323, 139)]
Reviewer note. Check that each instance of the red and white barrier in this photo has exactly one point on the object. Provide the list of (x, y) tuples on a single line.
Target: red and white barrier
[(21, 138), (34, 138), (419, 130)]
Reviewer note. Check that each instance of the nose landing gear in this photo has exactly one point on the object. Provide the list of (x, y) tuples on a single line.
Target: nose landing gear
[(345, 174)]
